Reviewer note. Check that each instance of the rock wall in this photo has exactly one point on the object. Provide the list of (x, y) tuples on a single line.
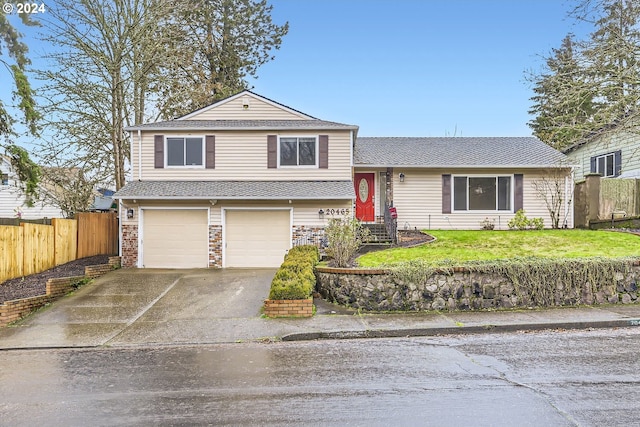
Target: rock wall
[(462, 289)]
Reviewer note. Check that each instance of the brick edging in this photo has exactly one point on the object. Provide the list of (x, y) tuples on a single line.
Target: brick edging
[(288, 308), (356, 271), (13, 310)]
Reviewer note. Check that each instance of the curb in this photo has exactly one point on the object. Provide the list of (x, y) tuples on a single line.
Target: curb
[(424, 332)]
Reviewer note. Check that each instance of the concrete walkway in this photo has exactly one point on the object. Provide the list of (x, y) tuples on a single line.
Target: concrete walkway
[(171, 307)]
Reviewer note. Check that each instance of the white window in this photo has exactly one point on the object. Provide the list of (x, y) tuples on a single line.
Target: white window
[(4, 178), (605, 165), (482, 193), (187, 151), (298, 151)]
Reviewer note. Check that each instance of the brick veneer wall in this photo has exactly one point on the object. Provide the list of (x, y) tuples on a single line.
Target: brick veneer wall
[(303, 235), (10, 311), (288, 308), (215, 246), (129, 245)]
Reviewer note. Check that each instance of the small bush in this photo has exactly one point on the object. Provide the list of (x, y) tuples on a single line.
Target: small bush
[(295, 278), (521, 222), (488, 224), (344, 236)]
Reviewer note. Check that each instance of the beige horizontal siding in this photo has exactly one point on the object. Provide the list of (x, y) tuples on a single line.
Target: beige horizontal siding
[(418, 201), (258, 110), (304, 212), (243, 156)]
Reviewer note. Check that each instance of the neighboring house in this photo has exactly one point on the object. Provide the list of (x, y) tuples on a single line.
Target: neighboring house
[(12, 199), (613, 152), (237, 183)]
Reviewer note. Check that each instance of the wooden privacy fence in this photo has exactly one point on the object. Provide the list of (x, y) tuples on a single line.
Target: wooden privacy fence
[(32, 248), (97, 234)]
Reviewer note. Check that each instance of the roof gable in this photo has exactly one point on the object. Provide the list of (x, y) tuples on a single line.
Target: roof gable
[(448, 152), (246, 105)]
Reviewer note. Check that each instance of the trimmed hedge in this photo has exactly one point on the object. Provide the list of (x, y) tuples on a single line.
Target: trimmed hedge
[(295, 278)]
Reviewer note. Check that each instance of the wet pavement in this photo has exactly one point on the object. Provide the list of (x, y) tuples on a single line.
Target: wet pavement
[(131, 307), (543, 378)]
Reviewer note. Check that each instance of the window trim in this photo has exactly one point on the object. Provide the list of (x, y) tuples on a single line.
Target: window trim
[(184, 137), (613, 161), (298, 166), (512, 192)]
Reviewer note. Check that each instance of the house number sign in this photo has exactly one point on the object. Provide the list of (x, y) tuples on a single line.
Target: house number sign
[(340, 211)]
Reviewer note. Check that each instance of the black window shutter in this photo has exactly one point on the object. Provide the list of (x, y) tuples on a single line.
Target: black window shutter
[(158, 145), (323, 161), (617, 162), (517, 188), (272, 151), (446, 194), (593, 165), (210, 151)]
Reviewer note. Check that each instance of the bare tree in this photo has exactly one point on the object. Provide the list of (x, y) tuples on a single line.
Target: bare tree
[(99, 80), (555, 188)]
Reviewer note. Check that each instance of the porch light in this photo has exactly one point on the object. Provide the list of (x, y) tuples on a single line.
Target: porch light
[(129, 213), (321, 214), (401, 176)]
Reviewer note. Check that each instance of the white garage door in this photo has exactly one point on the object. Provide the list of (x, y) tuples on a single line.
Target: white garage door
[(256, 238), (175, 238)]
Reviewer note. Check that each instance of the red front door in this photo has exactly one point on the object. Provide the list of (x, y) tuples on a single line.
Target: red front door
[(364, 188)]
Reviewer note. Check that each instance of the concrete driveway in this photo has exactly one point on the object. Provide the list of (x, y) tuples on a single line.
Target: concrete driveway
[(147, 306)]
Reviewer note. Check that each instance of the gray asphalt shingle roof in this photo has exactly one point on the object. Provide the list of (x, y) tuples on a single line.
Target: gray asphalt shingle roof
[(211, 125), (237, 190), (448, 152)]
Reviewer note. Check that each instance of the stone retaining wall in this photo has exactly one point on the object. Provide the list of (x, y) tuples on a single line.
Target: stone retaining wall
[(462, 289), (10, 311)]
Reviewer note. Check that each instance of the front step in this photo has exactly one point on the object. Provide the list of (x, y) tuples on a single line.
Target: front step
[(378, 234)]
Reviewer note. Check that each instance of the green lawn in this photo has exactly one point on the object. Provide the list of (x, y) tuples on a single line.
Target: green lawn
[(459, 245)]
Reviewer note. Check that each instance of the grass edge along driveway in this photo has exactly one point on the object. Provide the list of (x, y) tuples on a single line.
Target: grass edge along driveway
[(469, 245)]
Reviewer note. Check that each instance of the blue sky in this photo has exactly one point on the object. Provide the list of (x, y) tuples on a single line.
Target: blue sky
[(409, 67), (414, 67)]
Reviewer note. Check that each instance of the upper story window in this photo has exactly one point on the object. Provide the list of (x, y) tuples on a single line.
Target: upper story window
[(4, 178), (482, 193), (298, 151), (607, 165), (187, 151)]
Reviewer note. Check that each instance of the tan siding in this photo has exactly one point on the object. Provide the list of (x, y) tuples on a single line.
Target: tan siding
[(304, 212), (243, 156), (258, 110), (419, 203)]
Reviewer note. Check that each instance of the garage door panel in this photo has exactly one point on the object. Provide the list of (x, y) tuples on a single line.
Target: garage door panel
[(175, 238), (257, 238)]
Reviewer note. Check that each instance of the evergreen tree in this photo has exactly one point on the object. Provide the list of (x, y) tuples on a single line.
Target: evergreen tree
[(221, 43), (563, 100)]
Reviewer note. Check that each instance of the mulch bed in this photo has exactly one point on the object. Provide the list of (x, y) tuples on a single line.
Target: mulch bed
[(36, 284), (408, 238)]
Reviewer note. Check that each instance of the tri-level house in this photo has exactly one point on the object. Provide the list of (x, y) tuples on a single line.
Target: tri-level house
[(238, 183)]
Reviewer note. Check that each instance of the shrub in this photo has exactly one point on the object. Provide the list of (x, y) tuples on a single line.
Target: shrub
[(344, 236), (295, 278), (488, 224), (521, 222)]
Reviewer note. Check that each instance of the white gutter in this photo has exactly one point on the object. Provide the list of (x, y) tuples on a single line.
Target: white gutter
[(351, 149)]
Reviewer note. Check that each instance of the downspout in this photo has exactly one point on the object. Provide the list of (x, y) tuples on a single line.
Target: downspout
[(139, 155), (120, 207)]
